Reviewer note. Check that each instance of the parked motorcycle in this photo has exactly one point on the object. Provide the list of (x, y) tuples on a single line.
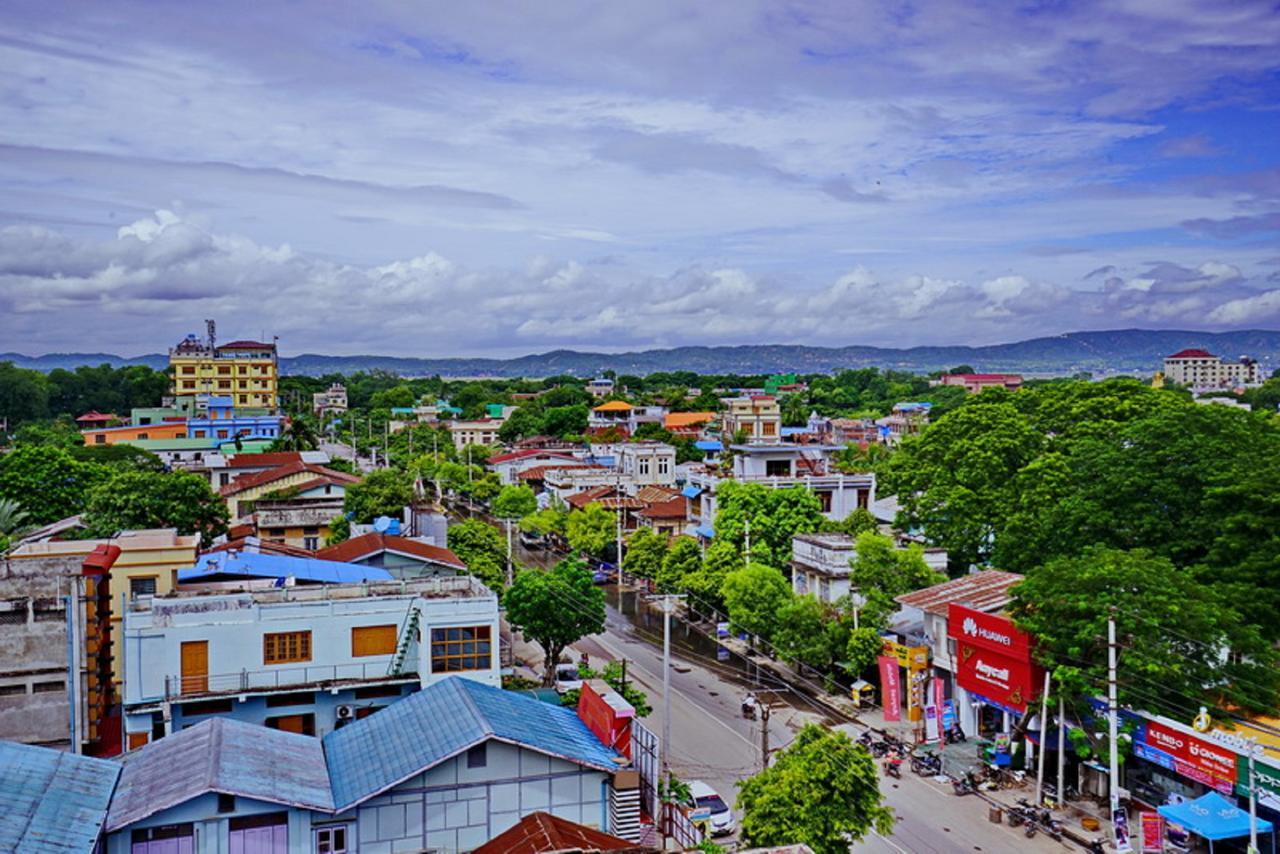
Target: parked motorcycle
[(893, 765), (926, 765), (965, 784)]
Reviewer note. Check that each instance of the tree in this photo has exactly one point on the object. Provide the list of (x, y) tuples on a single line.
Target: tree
[(590, 529), (546, 521), (13, 522), (812, 632), (514, 502), (864, 647), (646, 549), (822, 790), (682, 560), (48, 481), (872, 457), (774, 516), (612, 674), (24, 394), (878, 564), (754, 596), (339, 530), (299, 435), (144, 499), (705, 586), (555, 608), (383, 492), (1182, 645), (483, 549), (561, 421)]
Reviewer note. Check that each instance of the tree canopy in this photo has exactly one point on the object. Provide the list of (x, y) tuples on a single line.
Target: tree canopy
[(773, 515), (145, 499), (382, 492), (555, 608), (48, 482), (591, 529), (754, 596)]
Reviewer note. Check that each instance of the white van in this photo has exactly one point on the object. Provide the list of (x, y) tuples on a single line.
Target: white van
[(567, 677), (705, 798)]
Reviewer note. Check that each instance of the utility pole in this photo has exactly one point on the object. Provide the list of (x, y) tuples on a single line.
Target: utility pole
[(1062, 746), (664, 751), (1113, 713), (1044, 741), (623, 681), (618, 545), (747, 534), (509, 570), (1253, 798), (764, 736)]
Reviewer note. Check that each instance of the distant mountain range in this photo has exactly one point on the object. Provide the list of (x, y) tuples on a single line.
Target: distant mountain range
[(1117, 350)]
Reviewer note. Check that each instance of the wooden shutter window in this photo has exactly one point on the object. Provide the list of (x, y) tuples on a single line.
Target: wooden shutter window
[(373, 640), (286, 647)]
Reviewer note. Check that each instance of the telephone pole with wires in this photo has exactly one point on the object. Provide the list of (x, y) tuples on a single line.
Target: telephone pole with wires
[(668, 601)]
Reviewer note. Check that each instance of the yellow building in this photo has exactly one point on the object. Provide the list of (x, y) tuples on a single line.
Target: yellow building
[(148, 565), (245, 371)]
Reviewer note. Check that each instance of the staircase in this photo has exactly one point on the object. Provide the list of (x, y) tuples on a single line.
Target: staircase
[(408, 636)]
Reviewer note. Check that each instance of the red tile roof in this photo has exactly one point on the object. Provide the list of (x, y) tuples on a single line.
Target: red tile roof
[(676, 508), (542, 833), (356, 548), (540, 472), (95, 415), (986, 591), (653, 493), (249, 481), (246, 345), (995, 378), (587, 496), (1191, 354)]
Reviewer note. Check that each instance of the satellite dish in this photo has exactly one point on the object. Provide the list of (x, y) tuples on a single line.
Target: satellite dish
[(382, 524)]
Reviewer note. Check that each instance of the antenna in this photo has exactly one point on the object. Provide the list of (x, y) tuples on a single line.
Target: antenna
[(212, 329)]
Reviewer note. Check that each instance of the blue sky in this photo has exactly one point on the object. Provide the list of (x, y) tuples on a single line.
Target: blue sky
[(494, 178)]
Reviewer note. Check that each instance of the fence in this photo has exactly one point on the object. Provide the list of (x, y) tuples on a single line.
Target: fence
[(193, 685)]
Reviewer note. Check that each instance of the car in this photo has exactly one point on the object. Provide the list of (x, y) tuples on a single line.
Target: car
[(532, 541), (706, 798), (567, 677)]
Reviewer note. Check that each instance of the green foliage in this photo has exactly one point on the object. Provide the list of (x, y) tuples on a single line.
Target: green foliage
[(1173, 633), (822, 790), (61, 433), (682, 560), (27, 395), (483, 549), (864, 647), (612, 675), (13, 519), (298, 435), (644, 554), (48, 481), (856, 459), (339, 530), (561, 421), (706, 584), (775, 516), (812, 633), (383, 492), (755, 596), (144, 499), (591, 529), (400, 396), (342, 465), (555, 608), (548, 520), (118, 456), (515, 502), (879, 565)]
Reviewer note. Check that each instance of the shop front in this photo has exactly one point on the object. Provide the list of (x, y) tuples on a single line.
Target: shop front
[(995, 676), (1173, 764)]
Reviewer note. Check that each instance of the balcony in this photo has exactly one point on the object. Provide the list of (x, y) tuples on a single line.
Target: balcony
[(193, 687)]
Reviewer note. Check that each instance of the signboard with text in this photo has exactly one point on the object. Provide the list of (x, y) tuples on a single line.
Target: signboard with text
[(1190, 756), (1152, 826), (993, 658), (890, 688)]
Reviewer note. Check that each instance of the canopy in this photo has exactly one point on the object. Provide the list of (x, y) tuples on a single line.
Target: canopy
[(691, 491), (1212, 817)]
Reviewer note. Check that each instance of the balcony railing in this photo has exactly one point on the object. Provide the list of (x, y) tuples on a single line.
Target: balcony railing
[(189, 687)]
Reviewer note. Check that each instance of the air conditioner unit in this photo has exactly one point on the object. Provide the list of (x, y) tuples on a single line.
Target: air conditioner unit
[(346, 712)]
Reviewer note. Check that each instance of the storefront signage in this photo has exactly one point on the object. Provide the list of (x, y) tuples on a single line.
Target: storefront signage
[(987, 631), (1011, 683), (1192, 757), (910, 657), (1266, 776), (1152, 826), (890, 688)]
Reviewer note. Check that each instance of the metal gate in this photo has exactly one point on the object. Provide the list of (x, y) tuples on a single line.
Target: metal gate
[(644, 753)]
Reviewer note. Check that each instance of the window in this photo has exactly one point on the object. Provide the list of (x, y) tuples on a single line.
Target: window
[(643, 466), (300, 724), (211, 707), (377, 691), (48, 687), (100, 439), (311, 543), (768, 428), (11, 690), (373, 640), (286, 647), (824, 500), (364, 711), (142, 587), (160, 840), (664, 466), (463, 648), (304, 698), (477, 757), (188, 369), (223, 370), (224, 384), (331, 840), (226, 803), (777, 468), (261, 834)]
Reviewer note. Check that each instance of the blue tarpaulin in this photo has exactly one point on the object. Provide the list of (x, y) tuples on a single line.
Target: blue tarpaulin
[(708, 445), (691, 491), (705, 531), (1212, 817)]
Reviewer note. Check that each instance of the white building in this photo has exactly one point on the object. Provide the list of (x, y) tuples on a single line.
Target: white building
[(646, 463), (334, 400), (821, 563), (600, 387), (303, 659), (757, 416), (1200, 369), (481, 432)]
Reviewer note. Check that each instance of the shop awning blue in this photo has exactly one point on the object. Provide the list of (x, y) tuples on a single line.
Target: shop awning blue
[(1212, 817), (705, 531), (708, 445), (691, 491), (1051, 739)]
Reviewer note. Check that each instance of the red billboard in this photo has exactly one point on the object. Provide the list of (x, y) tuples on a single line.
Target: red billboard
[(993, 658), (1196, 758), (890, 688)]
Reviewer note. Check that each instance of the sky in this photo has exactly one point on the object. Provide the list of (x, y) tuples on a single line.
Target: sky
[(500, 178)]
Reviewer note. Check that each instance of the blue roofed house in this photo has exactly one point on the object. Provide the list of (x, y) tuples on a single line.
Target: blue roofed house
[(51, 800), (443, 770), (309, 659)]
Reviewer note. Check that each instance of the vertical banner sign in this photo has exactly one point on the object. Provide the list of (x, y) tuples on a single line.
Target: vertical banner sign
[(890, 689), (1120, 822), (940, 710), (1152, 832)]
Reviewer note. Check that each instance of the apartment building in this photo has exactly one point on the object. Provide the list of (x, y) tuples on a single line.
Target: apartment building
[(332, 401), (646, 463), (306, 659), (483, 431), (974, 383), (756, 418), (1200, 369), (246, 371)]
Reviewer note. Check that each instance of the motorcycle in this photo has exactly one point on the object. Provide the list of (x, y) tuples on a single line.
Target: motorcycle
[(927, 765), (749, 711), (965, 785), (893, 766), (955, 735)]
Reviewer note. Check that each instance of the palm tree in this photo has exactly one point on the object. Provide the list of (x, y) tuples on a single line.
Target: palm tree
[(298, 436), (12, 517)]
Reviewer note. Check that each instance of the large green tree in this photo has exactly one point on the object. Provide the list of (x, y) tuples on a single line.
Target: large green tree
[(382, 492), (682, 560), (555, 608), (1182, 645), (591, 529), (645, 551), (755, 596), (812, 632), (822, 790), (514, 502), (482, 548), (772, 516), (145, 499), (48, 482)]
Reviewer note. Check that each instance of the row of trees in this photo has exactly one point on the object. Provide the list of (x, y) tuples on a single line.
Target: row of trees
[(27, 395)]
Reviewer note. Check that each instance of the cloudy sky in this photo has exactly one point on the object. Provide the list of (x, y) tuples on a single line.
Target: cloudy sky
[(493, 178)]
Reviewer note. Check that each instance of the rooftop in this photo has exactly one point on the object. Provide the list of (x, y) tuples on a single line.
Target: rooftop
[(250, 481), (984, 591), (542, 833), (246, 345), (1192, 353), (374, 543), (221, 566), (191, 601), (677, 420), (827, 541), (51, 800), (613, 406)]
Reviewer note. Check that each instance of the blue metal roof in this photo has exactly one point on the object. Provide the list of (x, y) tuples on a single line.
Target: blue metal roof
[(218, 565), (705, 531), (794, 431), (691, 491), (51, 800), (708, 445), (424, 729)]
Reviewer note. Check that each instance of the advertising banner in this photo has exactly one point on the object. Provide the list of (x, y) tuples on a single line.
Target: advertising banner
[(1152, 832), (988, 631), (1267, 777), (890, 688), (939, 709), (1008, 681), (1190, 756)]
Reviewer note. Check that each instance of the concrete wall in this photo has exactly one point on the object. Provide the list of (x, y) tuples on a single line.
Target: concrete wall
[(34, 704)]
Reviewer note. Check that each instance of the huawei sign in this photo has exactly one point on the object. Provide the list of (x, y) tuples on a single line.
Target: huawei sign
[(971, 628)]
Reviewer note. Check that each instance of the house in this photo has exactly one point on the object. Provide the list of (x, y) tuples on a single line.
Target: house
[(483, 431), (304, 520), (614, 414), (302, 481), (644, 463), (821, 563), (509, 466), (600, 387), (332, 401), (544, 833), (444, 769), (688, 425), (219, 419), (133, 433), (669, 517), (906, 419), (148, 564), (93, 418), (757, 418), (227, 466), (974, 383), (230, 565), (53, 801), (403, 557), (306, 658), (562, 481), (1200, 369), (246, 371)]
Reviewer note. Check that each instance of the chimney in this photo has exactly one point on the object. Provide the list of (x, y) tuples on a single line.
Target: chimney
[(607, 715)]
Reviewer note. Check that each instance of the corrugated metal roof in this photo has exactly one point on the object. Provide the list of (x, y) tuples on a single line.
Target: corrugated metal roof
[(425, 728), (542, 833), (221, 755), (52, 801), (218, 565), (986, 591)]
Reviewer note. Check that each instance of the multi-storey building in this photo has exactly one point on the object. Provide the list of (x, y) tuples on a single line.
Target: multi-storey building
[(974, 383), (304, 659), (645, 463), (756, 417), (218, 418), (245, 371), (483, 431), (1201, 369), (333, 401)]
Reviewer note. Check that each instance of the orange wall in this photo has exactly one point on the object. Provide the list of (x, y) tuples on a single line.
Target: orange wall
[(176, 430)]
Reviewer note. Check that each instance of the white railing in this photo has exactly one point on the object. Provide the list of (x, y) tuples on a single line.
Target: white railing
[(191, 687)]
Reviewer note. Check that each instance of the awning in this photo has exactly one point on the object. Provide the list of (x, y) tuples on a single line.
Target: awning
[(1212, 817), (708, 445), (705, 531), (1051, 741), (691, 491)]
